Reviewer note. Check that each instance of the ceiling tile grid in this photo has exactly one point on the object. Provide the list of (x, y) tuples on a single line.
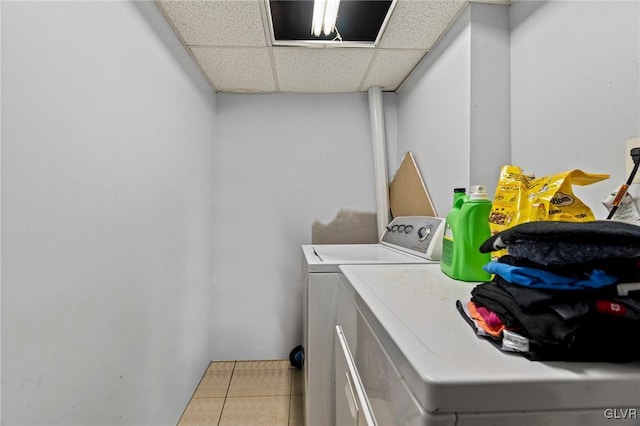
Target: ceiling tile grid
[(231, 42)]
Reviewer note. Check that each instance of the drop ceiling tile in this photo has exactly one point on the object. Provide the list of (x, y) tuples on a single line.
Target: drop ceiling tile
[(329, 70), (217, 22), (240, 69), (418, 24), (390, 67)]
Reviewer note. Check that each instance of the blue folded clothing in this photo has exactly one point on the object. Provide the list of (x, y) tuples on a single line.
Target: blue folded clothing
[(538, 278)]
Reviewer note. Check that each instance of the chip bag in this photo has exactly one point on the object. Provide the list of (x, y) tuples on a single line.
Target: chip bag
[(520, 198)]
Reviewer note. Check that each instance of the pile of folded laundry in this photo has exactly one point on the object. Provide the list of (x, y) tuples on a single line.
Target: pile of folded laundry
[(565, 291)]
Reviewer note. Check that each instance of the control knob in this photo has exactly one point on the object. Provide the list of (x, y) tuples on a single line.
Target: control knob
[(423, 233)]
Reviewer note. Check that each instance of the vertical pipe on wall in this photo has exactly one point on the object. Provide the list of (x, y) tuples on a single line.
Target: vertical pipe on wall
[(381, 181)]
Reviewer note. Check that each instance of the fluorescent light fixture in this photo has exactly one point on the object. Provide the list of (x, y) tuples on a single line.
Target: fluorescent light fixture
[(361, 22), (318, 15), (325, 13)]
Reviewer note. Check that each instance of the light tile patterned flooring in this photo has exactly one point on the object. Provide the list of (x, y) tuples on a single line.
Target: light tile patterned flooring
[(247, 393)]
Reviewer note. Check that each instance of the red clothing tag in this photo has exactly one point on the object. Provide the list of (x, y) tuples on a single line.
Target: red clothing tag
[(611, 308)]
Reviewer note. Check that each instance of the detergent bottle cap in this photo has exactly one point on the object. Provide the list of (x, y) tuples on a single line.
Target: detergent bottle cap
[(478, 192)]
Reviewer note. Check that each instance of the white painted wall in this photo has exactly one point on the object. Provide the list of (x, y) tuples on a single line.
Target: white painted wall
[(490, 116), (390, 101), (434, 116), (107, 205), (281, 161), (453, 111), (0, 214), (573, 100), (576, 89)]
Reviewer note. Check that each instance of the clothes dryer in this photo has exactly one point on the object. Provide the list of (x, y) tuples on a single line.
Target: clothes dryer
[(413, 360)]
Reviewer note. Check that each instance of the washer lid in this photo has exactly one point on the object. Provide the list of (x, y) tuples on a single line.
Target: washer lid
[(362, 253), (411, 308), (327, 257)]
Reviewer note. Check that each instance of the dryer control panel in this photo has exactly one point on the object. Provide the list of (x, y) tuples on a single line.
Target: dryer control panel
[(417, 235)]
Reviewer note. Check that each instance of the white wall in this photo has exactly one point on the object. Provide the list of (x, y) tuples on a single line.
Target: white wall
[(573, 100), (281, 162), (107, 208), (490, 85), (0, 214), (576, 89), (453, 111), (390, 107), (434, 116)]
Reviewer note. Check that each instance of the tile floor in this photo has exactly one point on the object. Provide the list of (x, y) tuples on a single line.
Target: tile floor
[(247, 393)]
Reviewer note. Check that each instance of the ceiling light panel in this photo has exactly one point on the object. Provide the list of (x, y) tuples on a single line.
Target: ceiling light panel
[(359, 21)]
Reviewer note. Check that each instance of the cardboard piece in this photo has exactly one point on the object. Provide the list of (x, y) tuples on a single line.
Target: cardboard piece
[(408, 195)]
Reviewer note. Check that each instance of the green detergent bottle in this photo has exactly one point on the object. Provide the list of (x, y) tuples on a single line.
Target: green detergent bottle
[(467, 227)]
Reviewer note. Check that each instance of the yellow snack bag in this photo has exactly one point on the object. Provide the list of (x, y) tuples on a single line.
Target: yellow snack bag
[(511, 202), (520, 198)]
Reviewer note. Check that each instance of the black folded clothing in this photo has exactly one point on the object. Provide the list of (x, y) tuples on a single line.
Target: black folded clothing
[(592, 336), (602, 344), (560, 243), (541, 325)]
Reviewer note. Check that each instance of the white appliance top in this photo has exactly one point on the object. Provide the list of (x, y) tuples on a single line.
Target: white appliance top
[(412, 310), (409, 239), (327, 257), (358, 253)]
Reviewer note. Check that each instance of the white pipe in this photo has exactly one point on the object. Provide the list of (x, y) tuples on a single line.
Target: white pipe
[(381, 181)]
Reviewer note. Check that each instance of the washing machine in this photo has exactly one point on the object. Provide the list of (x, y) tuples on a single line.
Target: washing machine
[(406, 240), (405, 356)]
